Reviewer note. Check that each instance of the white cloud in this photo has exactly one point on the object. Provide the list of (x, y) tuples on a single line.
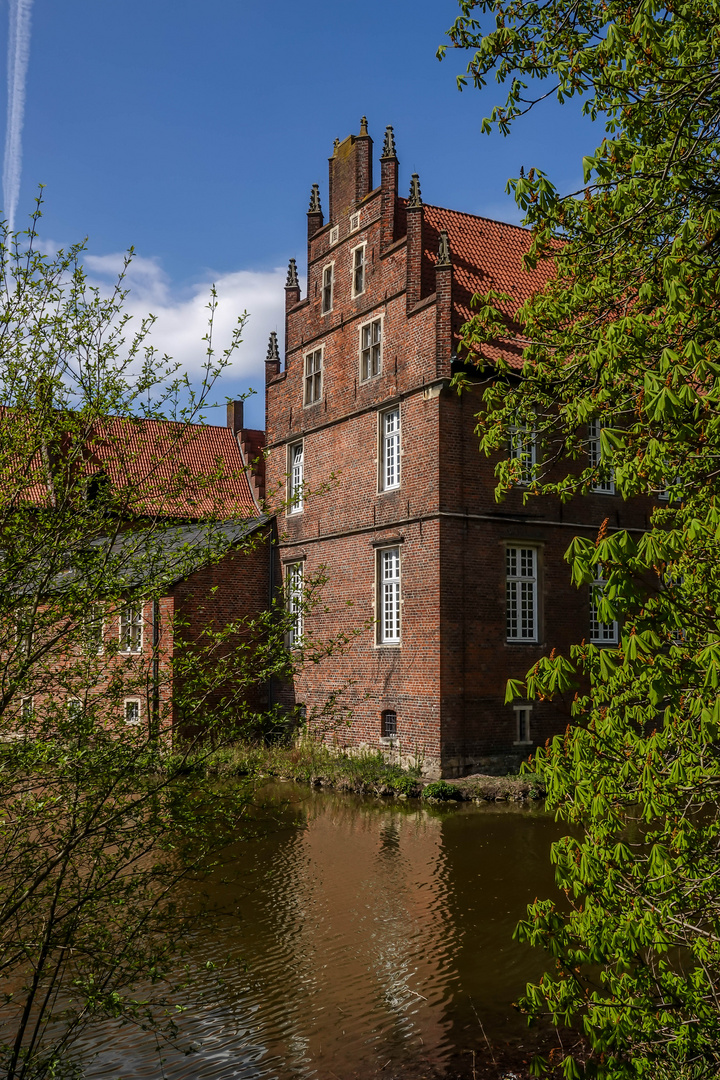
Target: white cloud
[(182, 319)]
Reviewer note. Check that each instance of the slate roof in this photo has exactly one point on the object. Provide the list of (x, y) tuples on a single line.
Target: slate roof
[(485, 255), (172, 553), (161, 555)]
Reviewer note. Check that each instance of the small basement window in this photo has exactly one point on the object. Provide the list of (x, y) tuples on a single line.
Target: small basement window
[(522, 724), (388, 724)]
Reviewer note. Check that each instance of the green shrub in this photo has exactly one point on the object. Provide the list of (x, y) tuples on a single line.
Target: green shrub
[(439, 789), (403, 784)]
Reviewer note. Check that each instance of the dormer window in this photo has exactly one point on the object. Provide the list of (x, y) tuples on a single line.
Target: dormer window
[(327, 289), (355, 222), (358, 270), (334, 234)]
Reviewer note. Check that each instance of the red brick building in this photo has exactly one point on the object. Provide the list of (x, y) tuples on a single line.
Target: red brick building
[(185, 528), (459, 593)]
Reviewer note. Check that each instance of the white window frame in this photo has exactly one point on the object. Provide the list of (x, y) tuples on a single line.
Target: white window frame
[(362, 265), (522, 622), (27, 709), (294, 592), (132, 701), (600, 633), (390, 449), (355, 221), (296, 478), (389, 595), (523, 448), (313, 378), (600, 487), (378, 319), (523, 725), (94, 617), (329, 267), (74, 713), (334, 235), (131, 628), (23, 636)]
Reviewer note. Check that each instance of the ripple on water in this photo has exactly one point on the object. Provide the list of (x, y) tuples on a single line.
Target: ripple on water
[(371, 935)]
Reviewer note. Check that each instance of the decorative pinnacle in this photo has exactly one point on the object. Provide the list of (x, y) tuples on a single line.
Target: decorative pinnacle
[(415, 196), (363, 126), (443, 258), (292, 278), (389, 144), (273, 352), (315, 207), (335, 147)]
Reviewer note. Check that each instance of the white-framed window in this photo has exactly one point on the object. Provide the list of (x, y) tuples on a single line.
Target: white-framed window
[(605, 484), (600, 633), (522, 724), (313, 377), (296, 477), (23, 634), (94, 630), (388, 572), (521, 589), (523, 448), (370, 349), (27, 709), (294, 577), (355, 221), (358, 270), (388, 724), (74, 708), (131, 628), (334, 234), (390, 448), (326, 297), (131, 710)]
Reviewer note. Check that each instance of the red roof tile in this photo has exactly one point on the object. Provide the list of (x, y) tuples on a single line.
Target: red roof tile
[(485, 255), (174, 469)]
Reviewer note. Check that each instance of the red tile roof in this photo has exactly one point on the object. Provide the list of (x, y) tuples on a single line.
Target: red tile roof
[(485, 255), (173, 469), (165, 468)]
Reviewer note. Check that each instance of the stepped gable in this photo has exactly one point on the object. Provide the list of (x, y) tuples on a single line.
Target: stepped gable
[(485, 255), (201, 463)]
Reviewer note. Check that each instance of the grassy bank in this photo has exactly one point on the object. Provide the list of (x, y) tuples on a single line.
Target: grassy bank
[(365, 773)]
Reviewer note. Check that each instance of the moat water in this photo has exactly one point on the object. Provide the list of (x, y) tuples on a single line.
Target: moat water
[(370, 938)]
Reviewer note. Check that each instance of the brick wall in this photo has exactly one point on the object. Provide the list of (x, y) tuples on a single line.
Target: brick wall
[(446, 680)]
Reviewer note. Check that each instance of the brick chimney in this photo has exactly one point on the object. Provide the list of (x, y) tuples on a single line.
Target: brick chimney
[(350, 173), (235, 416)]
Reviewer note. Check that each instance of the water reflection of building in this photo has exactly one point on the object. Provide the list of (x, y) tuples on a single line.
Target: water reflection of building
[(359, 908)]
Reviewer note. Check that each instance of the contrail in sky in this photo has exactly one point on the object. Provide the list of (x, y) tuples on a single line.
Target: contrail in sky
[(17, 65)]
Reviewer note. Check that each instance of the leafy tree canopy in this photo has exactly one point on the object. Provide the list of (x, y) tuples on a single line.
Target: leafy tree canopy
[(626, 334), (110, 705)]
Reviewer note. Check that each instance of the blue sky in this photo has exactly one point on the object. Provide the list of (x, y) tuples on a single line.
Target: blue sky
[(194, 132)]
